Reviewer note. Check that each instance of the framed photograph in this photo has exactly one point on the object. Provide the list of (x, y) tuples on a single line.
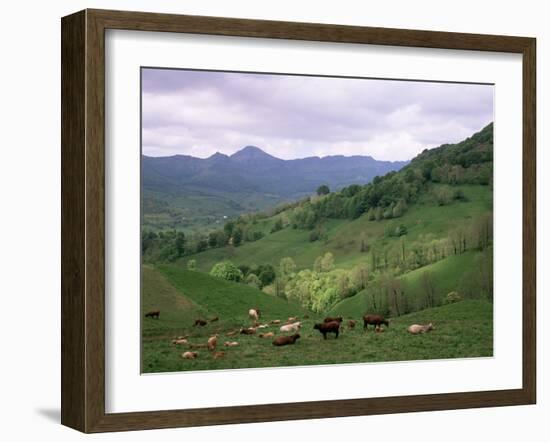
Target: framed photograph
[(267, 220)]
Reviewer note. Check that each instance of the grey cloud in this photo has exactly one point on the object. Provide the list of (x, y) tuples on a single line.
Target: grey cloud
[(201, 112)]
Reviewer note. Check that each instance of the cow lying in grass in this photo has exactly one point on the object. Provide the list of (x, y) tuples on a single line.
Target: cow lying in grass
[(294, 327), (248, 331), (415, 329), (189, 355), (285, 340), (328, 327)]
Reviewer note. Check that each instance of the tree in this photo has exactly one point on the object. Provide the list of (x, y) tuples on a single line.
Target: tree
[(427, 284), (202, 245), (192, 264), (180, 244), (324, 263), (228, 228), (266, 273), (237, 236), (226, 270), (399, 209), (323, 190), (253, 281), (287, 267), (277, 226), (360, 276)]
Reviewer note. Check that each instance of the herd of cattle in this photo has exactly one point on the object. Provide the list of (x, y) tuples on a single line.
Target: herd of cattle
[(292, 325)]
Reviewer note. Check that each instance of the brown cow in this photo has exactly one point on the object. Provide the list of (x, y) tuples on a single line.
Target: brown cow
[(375, 320), (248, 331), (200, 322), (328, 327), (332, 319), (285, 340), (153, 314)]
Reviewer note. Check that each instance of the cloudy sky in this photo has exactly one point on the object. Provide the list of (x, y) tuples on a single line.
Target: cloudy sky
[(200, 113)]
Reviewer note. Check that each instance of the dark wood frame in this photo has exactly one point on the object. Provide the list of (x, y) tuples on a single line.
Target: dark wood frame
[(83, 217)]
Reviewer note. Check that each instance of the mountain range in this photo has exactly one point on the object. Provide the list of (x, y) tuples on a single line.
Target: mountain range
[(251, 170), (247, 180)]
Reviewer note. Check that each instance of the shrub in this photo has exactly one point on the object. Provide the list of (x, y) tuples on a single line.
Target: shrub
[(452, 297), (192, 264)]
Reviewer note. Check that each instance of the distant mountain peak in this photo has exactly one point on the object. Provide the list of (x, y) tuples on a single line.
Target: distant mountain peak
[(217, 155), (251, 153)]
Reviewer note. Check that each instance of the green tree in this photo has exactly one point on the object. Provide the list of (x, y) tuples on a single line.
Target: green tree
[(226, 270), (327, 262), (323, 190), (237, 236), (253, 280), (180, 244), (287, 267), (277, 226)]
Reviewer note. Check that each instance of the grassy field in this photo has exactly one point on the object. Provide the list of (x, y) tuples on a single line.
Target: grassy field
[(463, 329), (344, 236)]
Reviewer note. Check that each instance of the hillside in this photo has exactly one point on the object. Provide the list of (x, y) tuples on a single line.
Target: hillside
[(448, 275), (195, 193), (343, 237), (462, 330), (371, 238)]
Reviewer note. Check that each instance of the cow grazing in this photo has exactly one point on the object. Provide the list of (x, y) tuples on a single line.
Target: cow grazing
[(415, 329), (294, 327), (375, 320), (285, 340), (231, 344), (214, 319), (212, 342), (254, 314), (153, 314), (328, 327), (199, 322), (189, 355), (266, 335), (351, 323), (332, 319), (248, 331)]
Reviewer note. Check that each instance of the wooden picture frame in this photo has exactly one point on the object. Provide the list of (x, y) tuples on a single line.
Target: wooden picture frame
[(83, 220)]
